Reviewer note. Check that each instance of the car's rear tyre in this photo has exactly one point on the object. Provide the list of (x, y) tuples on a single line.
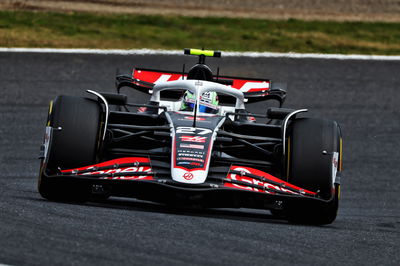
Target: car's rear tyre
[(74, 143), (313, 159)]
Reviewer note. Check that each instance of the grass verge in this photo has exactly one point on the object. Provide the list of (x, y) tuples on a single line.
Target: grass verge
[(85, 30)]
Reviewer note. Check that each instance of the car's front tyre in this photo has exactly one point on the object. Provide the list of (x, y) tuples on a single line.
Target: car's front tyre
[(313, 160), (74, 143)]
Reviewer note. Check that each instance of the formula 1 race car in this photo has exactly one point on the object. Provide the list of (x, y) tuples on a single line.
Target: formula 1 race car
[(193, 143)]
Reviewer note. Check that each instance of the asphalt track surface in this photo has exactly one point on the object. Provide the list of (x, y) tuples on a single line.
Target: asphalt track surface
[(363, 96)]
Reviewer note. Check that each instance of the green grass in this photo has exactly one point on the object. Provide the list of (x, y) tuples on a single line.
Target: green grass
[(84, 30)]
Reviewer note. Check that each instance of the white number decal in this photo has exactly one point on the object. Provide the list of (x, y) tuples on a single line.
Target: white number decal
[(192, 130)]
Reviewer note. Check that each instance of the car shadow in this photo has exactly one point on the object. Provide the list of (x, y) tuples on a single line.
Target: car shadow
[(259, 216), (240, 214)]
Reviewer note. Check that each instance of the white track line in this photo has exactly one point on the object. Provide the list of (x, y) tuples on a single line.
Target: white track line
[(180, 52)]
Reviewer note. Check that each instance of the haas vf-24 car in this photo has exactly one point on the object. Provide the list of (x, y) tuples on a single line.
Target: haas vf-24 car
[(192, 142)]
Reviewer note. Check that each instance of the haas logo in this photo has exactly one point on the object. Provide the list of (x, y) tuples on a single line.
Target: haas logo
[(188, 176)]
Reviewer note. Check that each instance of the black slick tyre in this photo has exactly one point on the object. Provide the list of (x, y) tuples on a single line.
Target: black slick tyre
[(313, 158), (74, 143)]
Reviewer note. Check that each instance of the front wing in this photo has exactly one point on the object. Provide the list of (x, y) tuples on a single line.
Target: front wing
[(137, 177)]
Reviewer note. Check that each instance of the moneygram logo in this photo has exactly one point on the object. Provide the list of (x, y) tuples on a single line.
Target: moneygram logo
[(197, 139)]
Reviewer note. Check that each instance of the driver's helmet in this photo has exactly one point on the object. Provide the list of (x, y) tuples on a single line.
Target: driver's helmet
[(208, 102)]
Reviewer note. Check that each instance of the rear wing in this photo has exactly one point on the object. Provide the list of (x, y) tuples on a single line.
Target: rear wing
[(254, 90), (242, 84)]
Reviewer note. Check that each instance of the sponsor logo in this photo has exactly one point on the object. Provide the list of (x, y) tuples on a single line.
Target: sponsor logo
[(163, 78), (122, 170), (242, 178), (190, 151), (254, 86), (192, 146), (188, 176), (190, 159), (192, 118), (142, 109), (156, 77), (190, 155), (183, 163), (251, 118), (335, 162), (197, 139), (47, 137)]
